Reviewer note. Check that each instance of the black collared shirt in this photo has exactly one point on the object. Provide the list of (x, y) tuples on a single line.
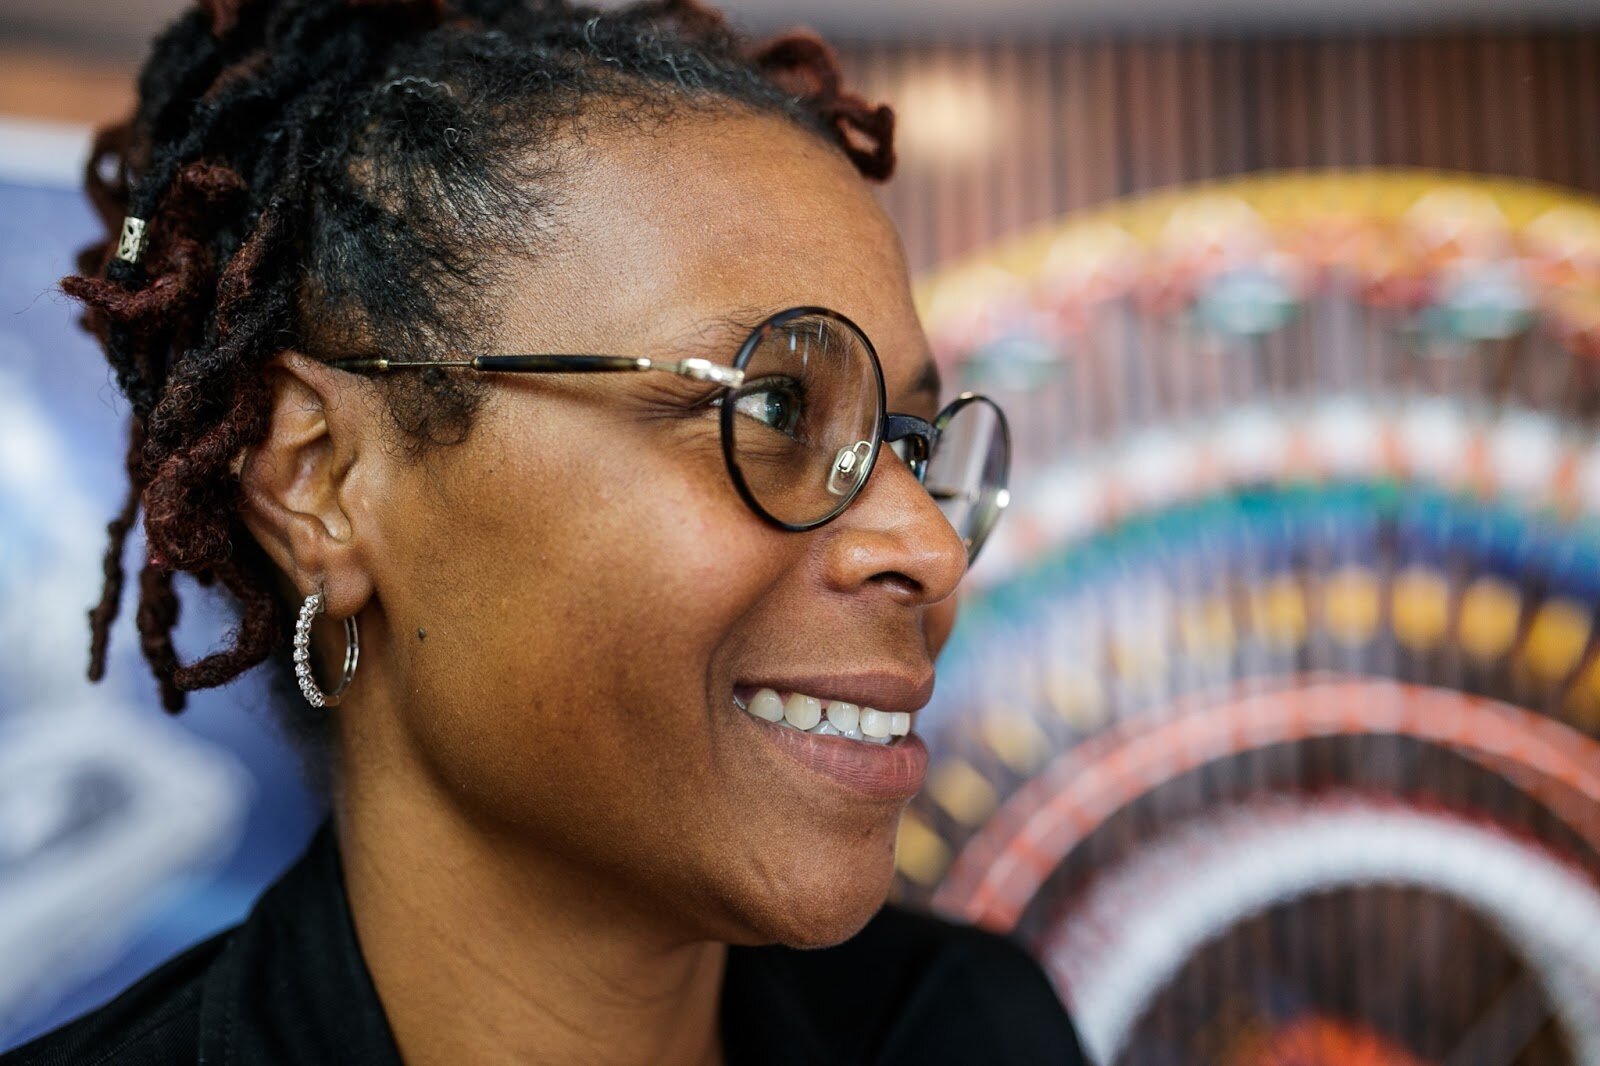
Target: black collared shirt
[(288, 985)]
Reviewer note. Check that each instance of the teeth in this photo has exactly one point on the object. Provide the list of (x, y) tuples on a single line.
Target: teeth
[(845, 716), (831, 718), (766, 705), (874, 723), (802, 711)]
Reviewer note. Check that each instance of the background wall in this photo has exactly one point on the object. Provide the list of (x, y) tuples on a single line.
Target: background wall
[(1003, 135)]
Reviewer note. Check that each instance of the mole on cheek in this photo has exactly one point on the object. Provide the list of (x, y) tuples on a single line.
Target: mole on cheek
[(422, 634)]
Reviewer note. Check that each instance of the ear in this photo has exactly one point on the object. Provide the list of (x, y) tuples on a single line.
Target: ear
[(293, 482)]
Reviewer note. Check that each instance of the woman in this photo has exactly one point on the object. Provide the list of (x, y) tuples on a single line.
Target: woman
[(509, 362)]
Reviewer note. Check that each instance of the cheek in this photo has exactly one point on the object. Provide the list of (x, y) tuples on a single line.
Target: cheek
[(575, 599)]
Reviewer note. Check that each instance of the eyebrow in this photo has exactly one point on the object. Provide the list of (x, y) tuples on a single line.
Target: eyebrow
[(723, 331), (927, 381)]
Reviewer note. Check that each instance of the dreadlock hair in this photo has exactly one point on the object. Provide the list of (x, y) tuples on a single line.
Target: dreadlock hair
[(330, 175)]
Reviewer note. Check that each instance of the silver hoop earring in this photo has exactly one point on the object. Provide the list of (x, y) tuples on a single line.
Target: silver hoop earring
[(312, 607)]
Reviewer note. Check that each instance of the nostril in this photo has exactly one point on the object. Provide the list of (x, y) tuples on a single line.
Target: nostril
[(901, 585)]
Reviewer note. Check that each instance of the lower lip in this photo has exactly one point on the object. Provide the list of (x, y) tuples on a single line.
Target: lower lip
[(876, 771)]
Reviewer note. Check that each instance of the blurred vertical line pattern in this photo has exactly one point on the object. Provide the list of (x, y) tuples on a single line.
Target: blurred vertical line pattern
[(1067, 124)]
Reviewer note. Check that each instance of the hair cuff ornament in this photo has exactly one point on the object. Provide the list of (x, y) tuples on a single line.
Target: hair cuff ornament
[(313, 606), (130, 246)]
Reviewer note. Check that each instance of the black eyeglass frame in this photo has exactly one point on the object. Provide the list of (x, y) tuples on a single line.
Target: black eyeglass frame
[(888, 428), (924, 437)]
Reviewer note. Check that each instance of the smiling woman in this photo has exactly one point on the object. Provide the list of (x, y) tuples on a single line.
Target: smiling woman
[(631, 662)]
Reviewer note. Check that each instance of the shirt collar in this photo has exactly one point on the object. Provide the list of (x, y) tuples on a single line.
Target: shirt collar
[(291, 985)]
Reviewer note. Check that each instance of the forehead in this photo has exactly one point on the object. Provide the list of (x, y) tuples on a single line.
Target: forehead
[(713, 213)]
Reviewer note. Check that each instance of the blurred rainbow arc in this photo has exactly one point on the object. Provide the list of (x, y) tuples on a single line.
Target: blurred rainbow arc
[(1272, 719)]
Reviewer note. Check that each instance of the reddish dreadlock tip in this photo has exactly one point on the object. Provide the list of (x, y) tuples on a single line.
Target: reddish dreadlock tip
[(805, 66), (224, 14), (800, 62), (213, 183), (876, 160)]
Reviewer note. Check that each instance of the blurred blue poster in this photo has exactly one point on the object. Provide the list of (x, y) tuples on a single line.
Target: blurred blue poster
[(125, 834)]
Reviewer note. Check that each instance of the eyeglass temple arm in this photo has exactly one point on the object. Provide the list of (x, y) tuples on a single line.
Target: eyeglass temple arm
[(922, 433), (698, 369), (898, 427)]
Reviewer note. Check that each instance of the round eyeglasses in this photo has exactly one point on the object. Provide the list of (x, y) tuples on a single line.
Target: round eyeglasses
[(804, 420)]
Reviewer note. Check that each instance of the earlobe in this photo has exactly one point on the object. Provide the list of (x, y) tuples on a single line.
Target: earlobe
[(291, 483)]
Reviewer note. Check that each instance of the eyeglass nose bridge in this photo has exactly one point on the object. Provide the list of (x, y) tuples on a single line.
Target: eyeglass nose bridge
[(921, 435)]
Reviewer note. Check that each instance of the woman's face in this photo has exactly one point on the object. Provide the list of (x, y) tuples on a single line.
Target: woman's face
[(570, 599)]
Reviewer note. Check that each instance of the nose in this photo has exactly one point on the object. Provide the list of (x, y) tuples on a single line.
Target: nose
[(893, 537)]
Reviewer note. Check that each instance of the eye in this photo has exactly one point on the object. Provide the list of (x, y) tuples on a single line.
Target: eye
[(775, 401), (901, 448)]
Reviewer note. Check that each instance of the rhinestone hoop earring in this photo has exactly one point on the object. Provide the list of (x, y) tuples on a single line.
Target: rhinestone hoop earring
[(312, 607)]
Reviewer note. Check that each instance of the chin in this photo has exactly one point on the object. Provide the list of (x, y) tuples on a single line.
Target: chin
[(824, 922), (821, 896)]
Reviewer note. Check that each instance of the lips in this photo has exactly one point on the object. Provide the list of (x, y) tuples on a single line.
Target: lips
[(871, 771), (829, 726)]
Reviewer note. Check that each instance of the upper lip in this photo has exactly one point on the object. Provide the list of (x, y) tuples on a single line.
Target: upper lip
[(885, 690)]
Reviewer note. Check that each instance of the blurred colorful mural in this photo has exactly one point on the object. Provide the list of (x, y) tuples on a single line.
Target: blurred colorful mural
[(122, 833), (1273, 721)]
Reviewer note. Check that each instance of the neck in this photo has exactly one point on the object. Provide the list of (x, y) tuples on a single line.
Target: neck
[(483, 953)]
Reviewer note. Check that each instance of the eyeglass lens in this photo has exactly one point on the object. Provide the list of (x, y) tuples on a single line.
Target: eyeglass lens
[(801, 428), (804, 420), (967, 471)]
